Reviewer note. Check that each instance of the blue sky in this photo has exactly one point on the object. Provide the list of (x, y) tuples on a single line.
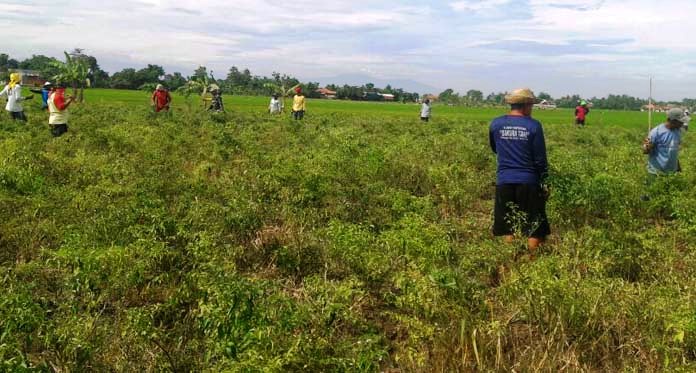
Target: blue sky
[(592, 47)]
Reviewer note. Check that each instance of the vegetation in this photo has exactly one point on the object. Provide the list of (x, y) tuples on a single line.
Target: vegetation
[(356, 240)]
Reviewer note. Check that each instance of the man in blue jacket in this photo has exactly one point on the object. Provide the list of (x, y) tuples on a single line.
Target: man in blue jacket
[(520, 198), (45, 91)]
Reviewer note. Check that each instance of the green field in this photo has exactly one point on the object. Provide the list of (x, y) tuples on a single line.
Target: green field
[(249, 104), (356, 240)]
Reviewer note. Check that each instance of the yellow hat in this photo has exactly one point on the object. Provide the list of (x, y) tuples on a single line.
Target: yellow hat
[(15, 79), (521, 96)]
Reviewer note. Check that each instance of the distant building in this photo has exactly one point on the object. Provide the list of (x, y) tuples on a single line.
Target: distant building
[(657, 108), (326, 93), (387, 96), (545, 105), (29, 77)]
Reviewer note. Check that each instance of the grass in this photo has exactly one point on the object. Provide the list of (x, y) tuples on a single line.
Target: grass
[(357, 240)]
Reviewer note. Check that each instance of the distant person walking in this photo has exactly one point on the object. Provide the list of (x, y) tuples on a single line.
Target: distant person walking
[(425, 111), (276, 105), (58, 110), (45, 91), (662, 145), (216, 104), (161, 99), (581, 112), (298, 104), (13, 92), (518, 140)]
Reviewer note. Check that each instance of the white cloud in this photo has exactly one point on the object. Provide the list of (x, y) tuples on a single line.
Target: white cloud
[(447, 43)]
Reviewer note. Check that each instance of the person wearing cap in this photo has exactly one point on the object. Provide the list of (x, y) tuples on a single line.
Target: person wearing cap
[(425, 111), (58, 110), (45, 91), (276, 106), (581, 112), (161, 99), (518, 141), (662, 145), (13, 92), (298, 104), (216, 104)]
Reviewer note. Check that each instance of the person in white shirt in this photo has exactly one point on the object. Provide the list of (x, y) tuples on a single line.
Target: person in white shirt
[(13, 92), (276, 106), (425, 111)]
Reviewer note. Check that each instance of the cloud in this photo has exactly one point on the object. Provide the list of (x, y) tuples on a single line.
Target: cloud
[(560, 45)]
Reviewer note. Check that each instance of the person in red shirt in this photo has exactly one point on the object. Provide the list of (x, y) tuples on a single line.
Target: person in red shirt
[(581, 113), (161, 99)]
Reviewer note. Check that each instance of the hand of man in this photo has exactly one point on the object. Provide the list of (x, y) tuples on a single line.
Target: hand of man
[(29, 97), (545, 192), (647, 146)]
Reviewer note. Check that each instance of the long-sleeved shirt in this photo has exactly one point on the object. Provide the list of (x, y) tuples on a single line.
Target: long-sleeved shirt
[(298, 103), (275, 106), (521, 148), (44, 96), (425, 110), (581, 112), (14, 98), (57, 107)]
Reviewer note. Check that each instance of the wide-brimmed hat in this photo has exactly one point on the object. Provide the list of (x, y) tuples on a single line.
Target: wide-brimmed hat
[(48, 85), (159, 87), (678, 115), (521, 96)]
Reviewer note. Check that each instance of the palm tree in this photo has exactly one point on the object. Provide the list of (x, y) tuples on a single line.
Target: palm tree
[(75, 73)]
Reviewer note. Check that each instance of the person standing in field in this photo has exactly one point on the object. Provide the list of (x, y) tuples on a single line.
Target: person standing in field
[(216, 104), (425, 111), (44, 92), (662, 145), (518, 141), (58, 110), (13, 92), (298, 104), (161, 99), (276, 106), (581, 112)]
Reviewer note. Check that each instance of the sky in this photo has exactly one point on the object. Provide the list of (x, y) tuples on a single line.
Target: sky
[(591, 47)]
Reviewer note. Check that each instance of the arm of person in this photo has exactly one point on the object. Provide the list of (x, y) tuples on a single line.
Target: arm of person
[(541, 163), (4, 91), (169, 98), (37, 91), (649, 142), (491, 139), (61, 103)]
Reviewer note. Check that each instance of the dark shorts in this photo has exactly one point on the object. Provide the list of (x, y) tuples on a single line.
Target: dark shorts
[(521, 208), (425, 119), (18, 115), (58, 129), (580, 121), (299, 115)]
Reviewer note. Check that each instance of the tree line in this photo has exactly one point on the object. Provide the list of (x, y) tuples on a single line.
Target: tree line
[(243, 82), (235, 81), (611, 102)]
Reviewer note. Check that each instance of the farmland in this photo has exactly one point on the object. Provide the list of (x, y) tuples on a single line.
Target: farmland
[(356, 240)]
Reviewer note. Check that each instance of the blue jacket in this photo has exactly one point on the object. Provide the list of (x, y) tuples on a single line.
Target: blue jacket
[(44, 96), (521, 148)]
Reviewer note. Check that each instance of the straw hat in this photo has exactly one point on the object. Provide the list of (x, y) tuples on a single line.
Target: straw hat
[(521, 96)]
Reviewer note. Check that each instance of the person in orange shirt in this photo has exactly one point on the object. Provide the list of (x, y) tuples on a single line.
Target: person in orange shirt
[(161, 99)]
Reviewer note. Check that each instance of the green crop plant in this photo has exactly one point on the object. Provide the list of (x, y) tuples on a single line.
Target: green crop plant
[(356, 241)]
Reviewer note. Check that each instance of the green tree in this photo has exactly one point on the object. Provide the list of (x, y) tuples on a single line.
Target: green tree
[(75, 73)]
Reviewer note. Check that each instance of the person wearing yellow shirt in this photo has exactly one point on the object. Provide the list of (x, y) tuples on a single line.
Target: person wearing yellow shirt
[(298, 104)]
